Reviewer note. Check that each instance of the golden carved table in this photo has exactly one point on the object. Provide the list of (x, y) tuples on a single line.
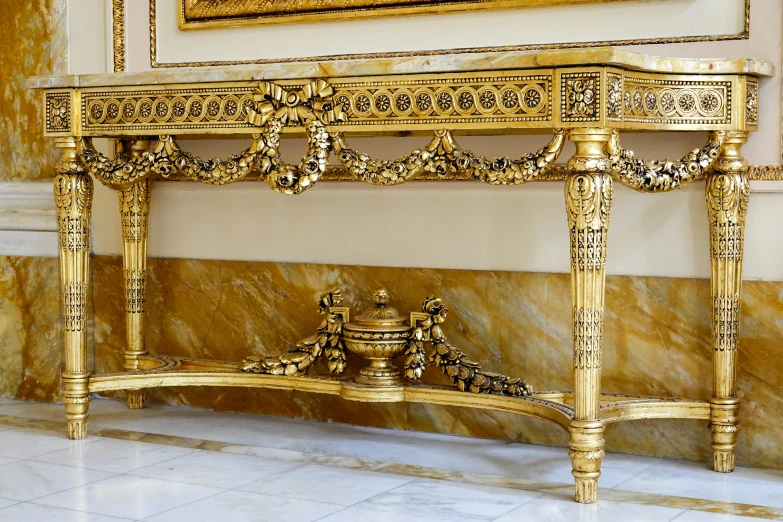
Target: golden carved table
[(587, 96)]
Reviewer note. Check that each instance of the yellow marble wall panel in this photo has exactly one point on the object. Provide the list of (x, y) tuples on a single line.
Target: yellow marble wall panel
[(33, 41), (29, 328), (657, 342)]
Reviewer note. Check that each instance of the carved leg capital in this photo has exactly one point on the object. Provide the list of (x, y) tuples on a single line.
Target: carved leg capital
[(727, 193)]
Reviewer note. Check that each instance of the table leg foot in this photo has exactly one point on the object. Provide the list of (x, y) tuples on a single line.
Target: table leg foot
[(586, 450), (135, 399), (76, 396)]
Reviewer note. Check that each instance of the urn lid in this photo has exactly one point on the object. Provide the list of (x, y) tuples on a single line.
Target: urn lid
[(379, 317)]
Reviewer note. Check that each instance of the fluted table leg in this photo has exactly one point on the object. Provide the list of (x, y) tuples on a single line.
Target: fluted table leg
[(727, 205), (134, 211), (588, 194), (73, 190)]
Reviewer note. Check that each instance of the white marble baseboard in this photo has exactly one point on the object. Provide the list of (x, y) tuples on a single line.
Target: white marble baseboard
[(28, 220)]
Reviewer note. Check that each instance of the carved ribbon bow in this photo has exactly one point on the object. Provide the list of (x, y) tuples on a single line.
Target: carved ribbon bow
[(311, 102)]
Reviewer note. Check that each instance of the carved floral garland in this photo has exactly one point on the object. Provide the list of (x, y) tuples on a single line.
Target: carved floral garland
[(312, 106), (328, 341)]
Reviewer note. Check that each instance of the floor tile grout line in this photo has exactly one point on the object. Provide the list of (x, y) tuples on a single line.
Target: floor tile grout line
[(33, 500), (75, 511), (99, 439), (287, 498), (417, 479), (382, 468), (679, 515), (181, 506), (128, 474)]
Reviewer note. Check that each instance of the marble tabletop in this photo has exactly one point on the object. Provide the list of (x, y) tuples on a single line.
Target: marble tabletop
[(488, 61)]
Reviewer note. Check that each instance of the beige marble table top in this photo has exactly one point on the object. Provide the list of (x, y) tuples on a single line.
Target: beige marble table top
[(414, 65)]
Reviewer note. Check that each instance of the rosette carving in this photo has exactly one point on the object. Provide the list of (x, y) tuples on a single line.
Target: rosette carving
[(443, 156), (328, 341), (466, 374), (662, 176)]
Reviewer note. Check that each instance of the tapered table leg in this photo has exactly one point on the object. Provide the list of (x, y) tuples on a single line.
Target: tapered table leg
[(588, 194), (134, 211), (73, 190), (727, 205)]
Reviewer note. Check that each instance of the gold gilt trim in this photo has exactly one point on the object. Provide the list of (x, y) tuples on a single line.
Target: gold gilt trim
[(118, 34), (744, 35), (539, 98), (206, 14), (554, 173)]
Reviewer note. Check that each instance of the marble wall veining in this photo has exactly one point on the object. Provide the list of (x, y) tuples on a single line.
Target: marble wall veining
[(33, 41), (657, 341), (30, 351)]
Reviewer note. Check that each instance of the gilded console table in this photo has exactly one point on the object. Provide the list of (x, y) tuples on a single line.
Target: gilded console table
[(588, 96)]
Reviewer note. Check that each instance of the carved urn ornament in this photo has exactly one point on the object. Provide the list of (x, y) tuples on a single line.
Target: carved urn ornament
[(379, 334)]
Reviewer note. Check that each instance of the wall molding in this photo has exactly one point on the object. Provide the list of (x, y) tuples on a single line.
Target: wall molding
[(28, 220)]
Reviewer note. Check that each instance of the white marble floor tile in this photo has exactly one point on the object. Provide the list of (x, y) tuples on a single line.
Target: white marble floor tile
[(326, 484), (25, 443), (450, 500), (129, 497), (549, 464), (221, 470), (4, 502), (26, 480), (696, 480), (235, 506), (114, 455), (100, 410), (361, 514), (420, 449), (37, 513), (702, 516), (551, 508), (163, 416)]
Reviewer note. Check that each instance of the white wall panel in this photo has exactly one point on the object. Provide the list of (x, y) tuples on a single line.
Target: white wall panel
[(575, 23)]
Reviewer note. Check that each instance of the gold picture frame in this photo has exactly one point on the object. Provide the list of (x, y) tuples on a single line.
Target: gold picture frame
[(206, 14)]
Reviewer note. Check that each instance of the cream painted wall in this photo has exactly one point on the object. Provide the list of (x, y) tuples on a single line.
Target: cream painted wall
[(569, 23), (455, 225)]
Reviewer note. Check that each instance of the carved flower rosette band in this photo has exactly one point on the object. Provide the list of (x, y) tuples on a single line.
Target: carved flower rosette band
[(313, 107)]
